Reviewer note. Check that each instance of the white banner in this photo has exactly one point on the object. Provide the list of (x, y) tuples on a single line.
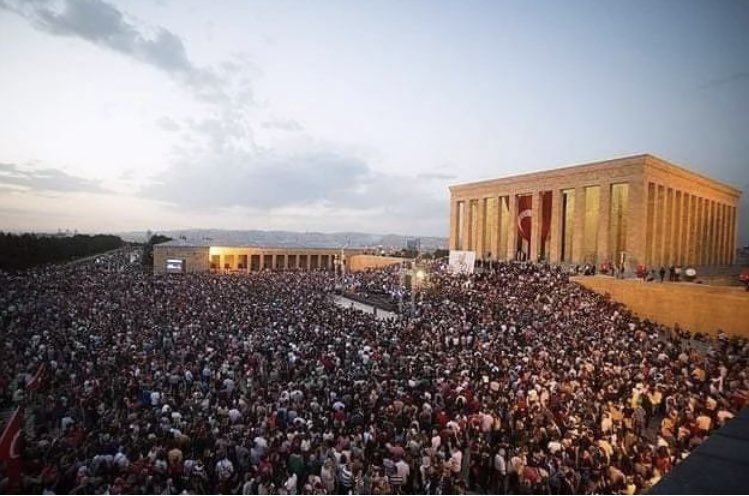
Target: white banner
[(462, 262)]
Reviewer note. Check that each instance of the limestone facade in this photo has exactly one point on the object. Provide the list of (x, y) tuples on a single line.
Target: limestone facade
[(635, 210), (363, 262)]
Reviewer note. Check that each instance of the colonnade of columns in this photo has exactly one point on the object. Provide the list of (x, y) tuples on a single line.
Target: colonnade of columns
[(688, 229), (488, 225), (254, 261), (577, 224), (641, 222)]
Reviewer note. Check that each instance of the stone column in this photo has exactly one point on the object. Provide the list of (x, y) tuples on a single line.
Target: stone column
[(683, 228), (536, 218), (685, 249), (650, 195), (697, 230), (724, 216), (502, 217), (727, 241), (714, 232), (721, 234), (675, 218), (578, 233), (710, 232), (604, 225), (636, 223), (727, 237), (479, 244), (706, 231), (702, 233), (463, 227), (660, 224), (719, 224), (719, 245), (676, 229), (494, 222), (555, 230), (657, 221), (732, 238), (453, 234), (668, 227), (467, 225), (709, 235), (512, 226)]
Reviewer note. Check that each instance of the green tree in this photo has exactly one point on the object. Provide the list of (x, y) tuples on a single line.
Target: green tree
[(153, 239), (21, 251)]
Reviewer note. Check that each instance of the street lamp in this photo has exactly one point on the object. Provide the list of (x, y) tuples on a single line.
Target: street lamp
[(418, 277)]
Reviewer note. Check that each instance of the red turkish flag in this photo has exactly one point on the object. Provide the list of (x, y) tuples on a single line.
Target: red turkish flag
[(39, 381), (525, 216), (11, 446)]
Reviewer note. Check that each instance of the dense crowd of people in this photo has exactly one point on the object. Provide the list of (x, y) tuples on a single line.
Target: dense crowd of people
[(515, 380)]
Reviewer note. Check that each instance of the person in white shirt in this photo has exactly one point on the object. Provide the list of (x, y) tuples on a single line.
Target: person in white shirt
[(456, 461), (234, 415), (291, 484), (402, 471), (224, 469), (327, 474), (436, 441), (500, 472)]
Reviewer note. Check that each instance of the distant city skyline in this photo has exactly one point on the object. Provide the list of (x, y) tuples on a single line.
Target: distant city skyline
[(338, 116)]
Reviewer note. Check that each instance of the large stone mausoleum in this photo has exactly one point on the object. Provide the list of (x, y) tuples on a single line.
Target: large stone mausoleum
[(636, 210)]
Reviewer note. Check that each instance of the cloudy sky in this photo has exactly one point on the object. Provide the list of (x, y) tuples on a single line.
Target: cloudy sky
[(348, 115)]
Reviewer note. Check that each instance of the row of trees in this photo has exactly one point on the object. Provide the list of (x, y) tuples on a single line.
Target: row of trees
[(428, 255), (21, 251)]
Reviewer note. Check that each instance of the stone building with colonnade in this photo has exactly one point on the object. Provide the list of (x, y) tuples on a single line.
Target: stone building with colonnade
[(635, 210)]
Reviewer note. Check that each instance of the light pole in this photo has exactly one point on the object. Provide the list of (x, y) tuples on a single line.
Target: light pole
[(418, 275)]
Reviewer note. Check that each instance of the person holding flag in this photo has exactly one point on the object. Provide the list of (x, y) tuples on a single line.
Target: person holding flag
[(11, 449)]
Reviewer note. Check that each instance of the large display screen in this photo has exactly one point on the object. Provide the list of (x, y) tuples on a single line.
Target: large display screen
[(175, 265)]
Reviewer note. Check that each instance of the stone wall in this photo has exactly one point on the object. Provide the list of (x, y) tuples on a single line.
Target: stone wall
[(196, 258), (695, 307), (361, 262)]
